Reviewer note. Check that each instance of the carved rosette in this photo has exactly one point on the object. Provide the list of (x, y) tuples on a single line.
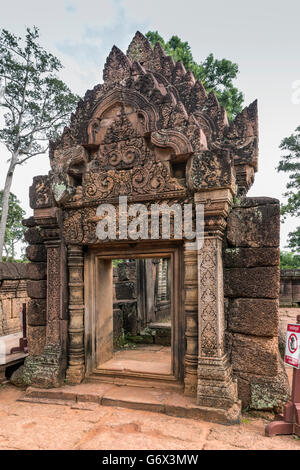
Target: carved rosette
[(76, 359)]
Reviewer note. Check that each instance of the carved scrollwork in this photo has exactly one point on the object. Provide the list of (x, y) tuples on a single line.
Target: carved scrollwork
[(152, 178), (73, 232)]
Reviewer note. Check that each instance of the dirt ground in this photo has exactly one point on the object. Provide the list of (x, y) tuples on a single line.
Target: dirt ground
[(35, 426)]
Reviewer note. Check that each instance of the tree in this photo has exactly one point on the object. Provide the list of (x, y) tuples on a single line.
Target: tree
[(36, 105), (217, 75), (290, 163), (14, 232), (289, 260)]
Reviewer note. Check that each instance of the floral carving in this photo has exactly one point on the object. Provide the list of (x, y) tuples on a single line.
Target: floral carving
[(152, 178)]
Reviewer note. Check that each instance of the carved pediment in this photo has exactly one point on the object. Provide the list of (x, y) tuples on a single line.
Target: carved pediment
[(152, 180)]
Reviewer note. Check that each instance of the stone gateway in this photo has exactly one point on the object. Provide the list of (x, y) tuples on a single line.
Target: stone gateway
[(151, 133)]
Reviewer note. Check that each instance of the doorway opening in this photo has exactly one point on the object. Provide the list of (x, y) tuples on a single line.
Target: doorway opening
[(132, 321), (141, 317)]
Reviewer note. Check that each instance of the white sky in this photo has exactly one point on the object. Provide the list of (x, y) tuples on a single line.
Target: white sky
[(261, 36)]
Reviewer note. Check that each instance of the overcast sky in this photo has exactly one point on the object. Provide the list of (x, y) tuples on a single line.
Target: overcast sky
[(263, 37)]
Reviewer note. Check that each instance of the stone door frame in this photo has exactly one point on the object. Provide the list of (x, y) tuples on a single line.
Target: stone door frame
[(98, 268)]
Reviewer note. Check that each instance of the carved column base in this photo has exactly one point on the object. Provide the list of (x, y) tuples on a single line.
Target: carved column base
[(217, 389), (75, 375), (46, 370), (191, 378)]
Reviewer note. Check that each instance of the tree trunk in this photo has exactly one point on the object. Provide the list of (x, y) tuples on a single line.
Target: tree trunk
[(5, 202)]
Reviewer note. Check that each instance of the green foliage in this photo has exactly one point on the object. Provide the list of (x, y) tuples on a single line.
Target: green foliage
[(14, 232), (290, 163), (289, 260), (35, 103), (217, 75)]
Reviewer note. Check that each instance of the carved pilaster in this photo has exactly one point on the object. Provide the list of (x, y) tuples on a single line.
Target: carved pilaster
[(191, 315), (48, 369), (216, 388), (76, 367)]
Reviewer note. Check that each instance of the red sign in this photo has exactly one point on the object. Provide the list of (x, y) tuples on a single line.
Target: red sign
[(292, 349)]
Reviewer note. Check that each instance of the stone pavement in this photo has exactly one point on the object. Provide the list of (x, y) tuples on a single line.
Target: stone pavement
[(25, 426)]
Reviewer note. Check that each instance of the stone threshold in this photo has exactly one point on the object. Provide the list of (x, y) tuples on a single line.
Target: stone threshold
[(147, 399)]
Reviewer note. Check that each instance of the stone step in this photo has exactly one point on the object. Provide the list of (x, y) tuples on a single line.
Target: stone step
[(117, 378), (137, 398)]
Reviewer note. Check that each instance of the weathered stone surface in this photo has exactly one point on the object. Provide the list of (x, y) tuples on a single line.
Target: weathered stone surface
[(241, 257), (17, 378), (36, 336), (36, 312), (37, 271), (37, 289), (255, 355), (30, 222), (269, 393), (118, 327), (46, 370), (13, 271), (126, 271), (163, 336), (125, 290), (129, 313), (256, 201), (262, 392), (211, 171), (33, 236), (257, 317), (257, 226), (36, 253), (40, 193), (244, 390), (252, 282)]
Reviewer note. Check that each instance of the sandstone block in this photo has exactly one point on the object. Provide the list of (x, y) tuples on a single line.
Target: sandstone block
[(257, 226), (251, 257), (36, 253), (271, 393), (37, 289), (33, 236), (252, 282), (258, 317), (40, 194), (37, 271), (255, 355), (13, 271), (36, 336), (37, 312), (125, 290), (126, 271)]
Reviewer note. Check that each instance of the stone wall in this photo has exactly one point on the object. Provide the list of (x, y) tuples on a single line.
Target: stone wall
[(13, 294), (36, 289), (290, 288), (252, 280)]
